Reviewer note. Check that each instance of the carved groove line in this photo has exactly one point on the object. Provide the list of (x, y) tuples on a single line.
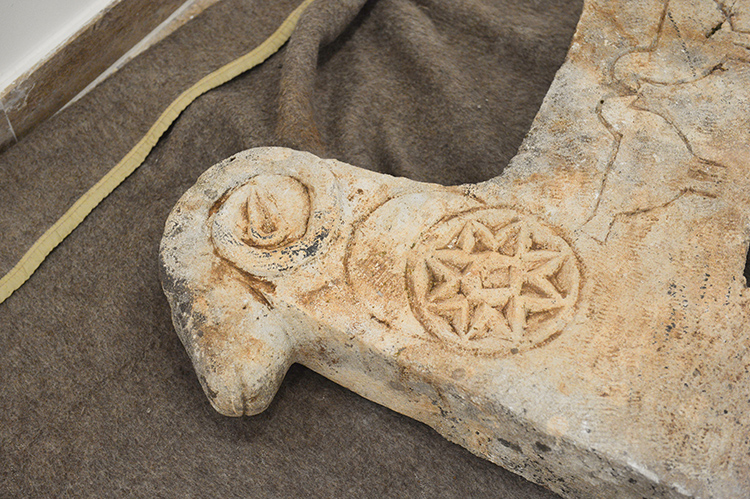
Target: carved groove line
[(710, 171)]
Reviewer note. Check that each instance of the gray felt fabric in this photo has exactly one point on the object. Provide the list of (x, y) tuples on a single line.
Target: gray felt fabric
[(98, 397)]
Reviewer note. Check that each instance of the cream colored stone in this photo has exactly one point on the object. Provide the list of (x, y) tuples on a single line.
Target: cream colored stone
[(581, 320)]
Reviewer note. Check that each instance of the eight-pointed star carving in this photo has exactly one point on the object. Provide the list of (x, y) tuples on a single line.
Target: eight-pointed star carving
[(490, 283)]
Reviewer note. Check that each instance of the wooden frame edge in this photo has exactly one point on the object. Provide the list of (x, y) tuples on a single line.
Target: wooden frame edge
[(46, 88)]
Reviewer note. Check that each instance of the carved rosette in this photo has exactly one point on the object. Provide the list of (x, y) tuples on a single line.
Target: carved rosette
[(493, 281)]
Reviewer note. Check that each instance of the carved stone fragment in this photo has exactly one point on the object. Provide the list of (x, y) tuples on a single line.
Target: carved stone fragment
[(581, 320)]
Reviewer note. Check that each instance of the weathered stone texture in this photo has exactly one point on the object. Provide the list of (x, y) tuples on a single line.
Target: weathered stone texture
[(581, 320)]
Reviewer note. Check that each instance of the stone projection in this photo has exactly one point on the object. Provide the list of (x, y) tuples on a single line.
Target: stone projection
[(581, 320)]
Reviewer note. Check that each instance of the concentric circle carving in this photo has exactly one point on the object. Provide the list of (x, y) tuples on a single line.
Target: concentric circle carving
[(276, 221), (493, 281), (275, 211)]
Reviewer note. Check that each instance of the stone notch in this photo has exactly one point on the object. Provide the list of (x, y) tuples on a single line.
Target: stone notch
[(581, 320)]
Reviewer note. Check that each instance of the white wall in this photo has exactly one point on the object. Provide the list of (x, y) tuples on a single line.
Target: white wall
[(30, 30)]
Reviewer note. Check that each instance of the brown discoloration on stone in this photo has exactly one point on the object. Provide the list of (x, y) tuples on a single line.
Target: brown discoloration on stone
[(223, 272), (219, 202), (257, 287), (582, 319)]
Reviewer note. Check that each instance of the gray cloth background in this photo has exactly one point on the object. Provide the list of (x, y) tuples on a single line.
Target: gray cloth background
[(98, 396)]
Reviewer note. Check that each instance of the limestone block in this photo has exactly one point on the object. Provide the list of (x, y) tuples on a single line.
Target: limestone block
[(581, 320)]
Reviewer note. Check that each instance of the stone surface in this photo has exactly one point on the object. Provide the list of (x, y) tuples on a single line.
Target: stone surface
[(581, 320)]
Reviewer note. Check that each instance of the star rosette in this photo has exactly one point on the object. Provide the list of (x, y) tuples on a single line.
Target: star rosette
[(494, 281)]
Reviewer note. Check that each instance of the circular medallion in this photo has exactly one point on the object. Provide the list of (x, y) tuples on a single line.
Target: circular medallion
[(493, 281), (277, 219)]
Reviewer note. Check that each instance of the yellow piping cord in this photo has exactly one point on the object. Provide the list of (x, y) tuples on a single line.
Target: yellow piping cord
[(34, 257)]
